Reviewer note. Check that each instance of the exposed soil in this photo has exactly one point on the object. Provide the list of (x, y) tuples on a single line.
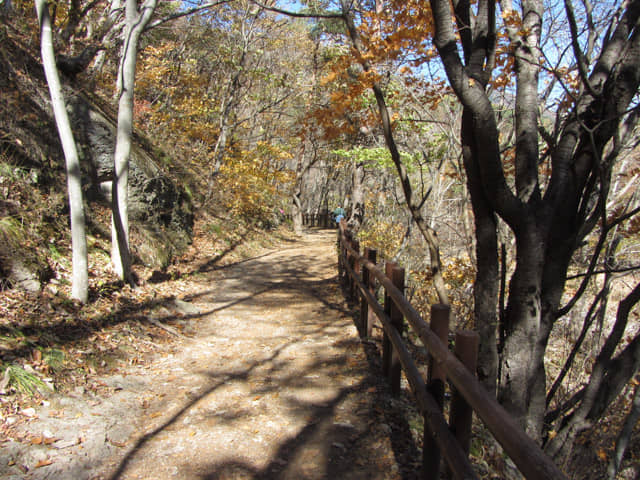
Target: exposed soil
[(273, 383)]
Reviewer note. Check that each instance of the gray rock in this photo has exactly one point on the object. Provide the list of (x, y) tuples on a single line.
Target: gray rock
[(159, 210)]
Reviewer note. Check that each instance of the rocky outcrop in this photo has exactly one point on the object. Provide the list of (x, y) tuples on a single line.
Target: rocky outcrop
[(161, 216), (159, 210)]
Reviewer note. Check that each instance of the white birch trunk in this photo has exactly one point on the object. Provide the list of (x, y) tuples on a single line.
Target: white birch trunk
[(80, 275), (135, 24)]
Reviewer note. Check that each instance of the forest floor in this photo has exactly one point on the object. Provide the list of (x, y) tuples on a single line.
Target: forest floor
[(253, 370)]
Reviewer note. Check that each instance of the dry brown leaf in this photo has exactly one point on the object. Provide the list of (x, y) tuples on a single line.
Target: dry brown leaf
[(43, 463)]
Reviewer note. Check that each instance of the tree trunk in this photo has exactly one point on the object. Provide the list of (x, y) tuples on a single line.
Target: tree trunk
[(428, 234), (80, 275), (135, 23), (357, 198), (485, 292), (625, 435), (296, 213), (521, 388)]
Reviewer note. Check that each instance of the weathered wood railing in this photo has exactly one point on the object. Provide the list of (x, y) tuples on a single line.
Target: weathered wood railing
[(322, 219), (449, 441)]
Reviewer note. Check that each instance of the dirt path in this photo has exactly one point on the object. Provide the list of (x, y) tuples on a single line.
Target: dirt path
[(276, 384)]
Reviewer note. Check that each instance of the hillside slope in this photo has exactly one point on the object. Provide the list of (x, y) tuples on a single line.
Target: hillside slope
[(33, 206)]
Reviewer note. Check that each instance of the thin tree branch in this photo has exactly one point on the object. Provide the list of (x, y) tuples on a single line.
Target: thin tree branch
[(632, 268), (184, 13), (298, 14), (580, 58)]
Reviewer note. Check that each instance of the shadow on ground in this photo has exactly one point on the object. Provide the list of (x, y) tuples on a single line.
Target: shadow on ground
[(312, 399)]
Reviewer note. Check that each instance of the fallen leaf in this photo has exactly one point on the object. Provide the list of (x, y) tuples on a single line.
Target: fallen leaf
[(67, 444), (43, 463), (36, 355)]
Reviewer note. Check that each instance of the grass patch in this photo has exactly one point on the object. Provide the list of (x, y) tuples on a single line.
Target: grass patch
[(24, 381)]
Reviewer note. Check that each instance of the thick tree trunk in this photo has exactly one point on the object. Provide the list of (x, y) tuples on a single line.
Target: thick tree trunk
[(485, 293), (522, 376), (547, 229), (80, 275)]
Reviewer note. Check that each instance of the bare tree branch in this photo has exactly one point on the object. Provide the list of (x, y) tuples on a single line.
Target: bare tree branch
[(298, 14), (184, 13), (580, 58)]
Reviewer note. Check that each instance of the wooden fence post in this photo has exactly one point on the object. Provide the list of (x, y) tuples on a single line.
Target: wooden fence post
[(397, 320), (364, 306), (371, 316), (386, 343), (354, 264), (461, 413), (366, 313), (341, 255), (353, 286), (435, 385), (349, 259)]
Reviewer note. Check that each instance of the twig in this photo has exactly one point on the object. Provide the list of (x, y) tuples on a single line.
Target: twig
[(164, 327)]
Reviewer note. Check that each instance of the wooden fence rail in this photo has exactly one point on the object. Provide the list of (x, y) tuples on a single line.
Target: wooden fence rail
[(450, 442), (322, 219)]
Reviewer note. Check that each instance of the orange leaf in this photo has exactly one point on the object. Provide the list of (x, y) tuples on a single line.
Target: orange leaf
[(44, 463)]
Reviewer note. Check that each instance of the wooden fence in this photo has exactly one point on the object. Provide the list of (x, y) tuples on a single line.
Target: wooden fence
[(447, 441), (322, 219)]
